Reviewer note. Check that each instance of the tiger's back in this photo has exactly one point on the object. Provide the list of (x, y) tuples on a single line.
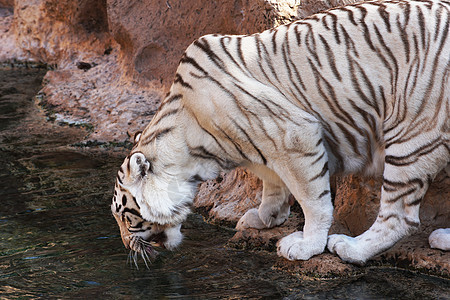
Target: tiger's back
[(370, 84)]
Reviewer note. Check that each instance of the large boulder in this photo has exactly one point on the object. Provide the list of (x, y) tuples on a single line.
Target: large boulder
[(53, 31)]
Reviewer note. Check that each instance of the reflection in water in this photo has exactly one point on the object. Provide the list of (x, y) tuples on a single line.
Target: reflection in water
[(58, 238)]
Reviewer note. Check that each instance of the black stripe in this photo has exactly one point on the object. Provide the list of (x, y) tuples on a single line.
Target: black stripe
[(335, 28), (202, 153), (414, 156), (356, 75), (207, 132), (179, 79), (267, 59), (421, 20), (236, 145), (366, 31), (412, 223), (415, 202), (224, 48), (390, 216), (118, 179), (389, 53), (196, 179), (385, 16), (189, 60), (401, 184), (330, 57), (165, 115), (318, 159), (310, 43), (251, 142), (404, 38), (350, 15), (156, 135), (135, 202), (203, 44), (437, 16), (274, 41), (239, 50), (132, 211), (404, 194), (322, 173), (324, 193), (349, 43)]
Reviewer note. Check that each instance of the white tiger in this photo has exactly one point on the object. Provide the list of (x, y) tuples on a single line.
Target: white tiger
[(358, 89)]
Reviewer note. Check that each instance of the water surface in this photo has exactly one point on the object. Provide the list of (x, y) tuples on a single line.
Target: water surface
[(59, 240)]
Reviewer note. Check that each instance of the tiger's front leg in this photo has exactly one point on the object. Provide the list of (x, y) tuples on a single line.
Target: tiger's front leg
[(273, 211)]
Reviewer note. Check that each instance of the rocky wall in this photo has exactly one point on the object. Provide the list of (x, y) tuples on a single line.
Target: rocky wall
[(154, 34)]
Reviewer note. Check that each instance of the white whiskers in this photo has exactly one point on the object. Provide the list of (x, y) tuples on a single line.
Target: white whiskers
[(142, 247)]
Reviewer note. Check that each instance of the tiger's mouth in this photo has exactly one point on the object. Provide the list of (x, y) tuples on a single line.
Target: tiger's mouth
[(140, 244), (158, 240), (147, 246)]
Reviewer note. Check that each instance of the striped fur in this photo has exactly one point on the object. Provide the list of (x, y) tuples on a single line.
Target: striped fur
[(358, 89), (138, 234)]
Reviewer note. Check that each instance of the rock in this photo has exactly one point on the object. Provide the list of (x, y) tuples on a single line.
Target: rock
[(228, 197), (9, 51), (55, 31), (154, 34), (6, 3), (309, 7)]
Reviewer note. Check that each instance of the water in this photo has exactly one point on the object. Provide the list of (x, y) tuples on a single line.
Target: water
[(59, 240)]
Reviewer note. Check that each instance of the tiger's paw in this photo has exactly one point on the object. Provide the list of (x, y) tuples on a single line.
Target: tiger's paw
[(250, 220), (346, 248), (296, 247), (272, 216), (440, 239)]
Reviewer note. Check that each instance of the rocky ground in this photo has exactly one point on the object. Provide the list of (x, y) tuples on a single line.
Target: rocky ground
[(111, 62)]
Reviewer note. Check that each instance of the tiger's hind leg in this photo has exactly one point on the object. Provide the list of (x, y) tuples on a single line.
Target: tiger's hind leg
[(273, 211), (405, 181), (306, 175)]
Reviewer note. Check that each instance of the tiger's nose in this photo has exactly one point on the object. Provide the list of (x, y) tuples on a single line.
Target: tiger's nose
[(124, 234)]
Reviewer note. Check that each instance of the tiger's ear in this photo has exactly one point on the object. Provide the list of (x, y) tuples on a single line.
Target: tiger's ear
[(138, 165), (137, 137)]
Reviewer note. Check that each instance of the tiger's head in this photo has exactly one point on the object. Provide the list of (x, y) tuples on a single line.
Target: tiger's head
[(137, 234), (150, 202)]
